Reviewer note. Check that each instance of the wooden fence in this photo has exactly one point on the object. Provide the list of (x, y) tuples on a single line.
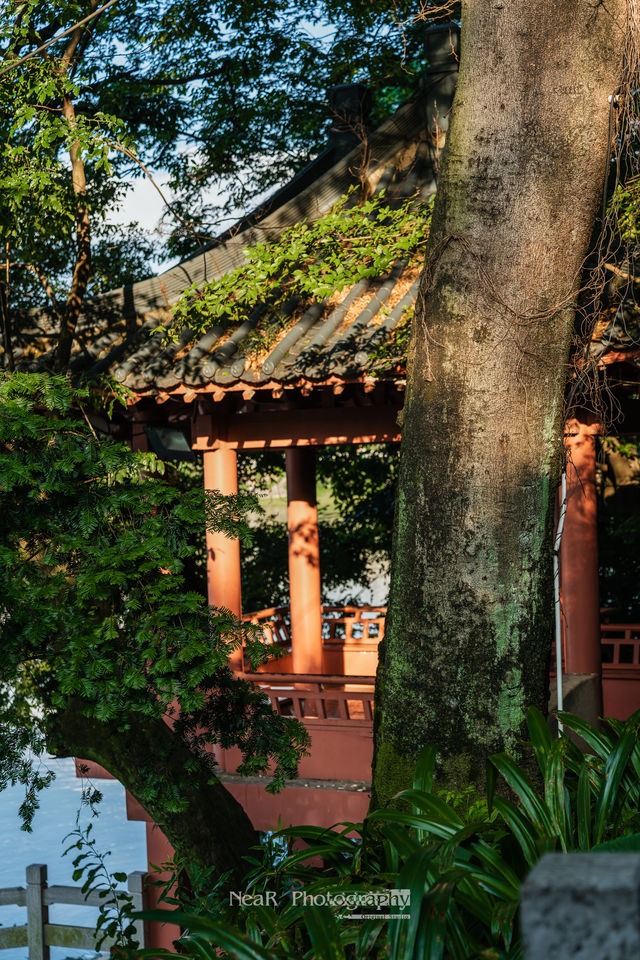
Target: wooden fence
[(38, 934)]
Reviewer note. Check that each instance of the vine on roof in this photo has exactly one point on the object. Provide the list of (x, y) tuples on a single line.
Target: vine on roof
[(312, 260)]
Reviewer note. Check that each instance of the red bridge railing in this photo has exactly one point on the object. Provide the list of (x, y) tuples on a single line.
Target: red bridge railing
[(620, 645), (363, 628)]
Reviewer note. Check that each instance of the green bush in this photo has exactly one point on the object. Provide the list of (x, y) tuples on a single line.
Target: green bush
[(462, 858)]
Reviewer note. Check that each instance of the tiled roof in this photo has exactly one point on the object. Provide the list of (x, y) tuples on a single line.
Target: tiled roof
[(328, 340)]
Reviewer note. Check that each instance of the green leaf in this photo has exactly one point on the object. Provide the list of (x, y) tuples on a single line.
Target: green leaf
[(628, 844), (612, 775), (519, 782), (599, 742), (541, 739), (522, 829), (556, 796), (324, 934), (492, 858), (413, 877), (425, 765), (583, 809), (421, 821), (225, 936)]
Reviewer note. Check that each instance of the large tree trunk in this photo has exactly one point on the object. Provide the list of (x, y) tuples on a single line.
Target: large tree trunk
[(470, 620)]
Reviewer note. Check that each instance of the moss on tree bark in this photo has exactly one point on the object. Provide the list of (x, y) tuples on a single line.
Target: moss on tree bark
[(469, 627)]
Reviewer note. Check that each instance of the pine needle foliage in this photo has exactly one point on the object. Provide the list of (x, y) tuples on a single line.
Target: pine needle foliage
[(95, 608)]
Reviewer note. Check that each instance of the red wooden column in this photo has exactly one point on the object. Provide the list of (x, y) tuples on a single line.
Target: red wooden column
[(223, 553), (304, 561), (579, 551)]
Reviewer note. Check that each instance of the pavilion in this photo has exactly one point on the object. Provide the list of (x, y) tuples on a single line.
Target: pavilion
[(319, 385)]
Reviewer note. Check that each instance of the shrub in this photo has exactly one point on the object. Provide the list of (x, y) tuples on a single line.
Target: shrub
[(462, 858)]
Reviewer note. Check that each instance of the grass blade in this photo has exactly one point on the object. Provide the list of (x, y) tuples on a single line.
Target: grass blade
[(599, 742), (555, 794), (541, 739), (492, 858), (425, 765), (583, 809), (433, 805), (521, 829), (221, 935), (420, 821), (413, 877)]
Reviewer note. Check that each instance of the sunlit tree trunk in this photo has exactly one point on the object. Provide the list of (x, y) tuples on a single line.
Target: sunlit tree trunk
[(79, 39), (470, 620)]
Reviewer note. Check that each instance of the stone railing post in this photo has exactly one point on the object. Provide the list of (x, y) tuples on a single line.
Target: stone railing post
[(37, 913), (582, 905)]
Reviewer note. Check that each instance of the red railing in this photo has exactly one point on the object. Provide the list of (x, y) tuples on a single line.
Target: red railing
[(363, 629), (620, 644), (350, 636), (275, 623), (313, 697), (357, 625), (340, 625)]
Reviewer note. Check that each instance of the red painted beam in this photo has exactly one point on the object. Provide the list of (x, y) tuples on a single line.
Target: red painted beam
[(292, 428)]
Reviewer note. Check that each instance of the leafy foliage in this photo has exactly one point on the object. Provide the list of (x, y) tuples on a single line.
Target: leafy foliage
[(115, 919), (625, 203), (232, 98), (38, 202), (228, 101), (310, 260), (94, 607), (462, 859), (354, 532)]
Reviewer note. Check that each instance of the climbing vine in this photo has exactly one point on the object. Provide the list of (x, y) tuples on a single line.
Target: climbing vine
[(313, 259)]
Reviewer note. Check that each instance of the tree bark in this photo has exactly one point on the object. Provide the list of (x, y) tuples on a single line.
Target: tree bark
[(469, 628), (82, 267), (208, 827)]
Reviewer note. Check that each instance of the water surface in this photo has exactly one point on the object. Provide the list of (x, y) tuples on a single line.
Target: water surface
[(53, 821)]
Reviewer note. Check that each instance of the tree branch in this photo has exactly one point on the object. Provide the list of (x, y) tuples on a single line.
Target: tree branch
[(65, 33), (44, 282), (131, 156), (210, 828), (82, 268)]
